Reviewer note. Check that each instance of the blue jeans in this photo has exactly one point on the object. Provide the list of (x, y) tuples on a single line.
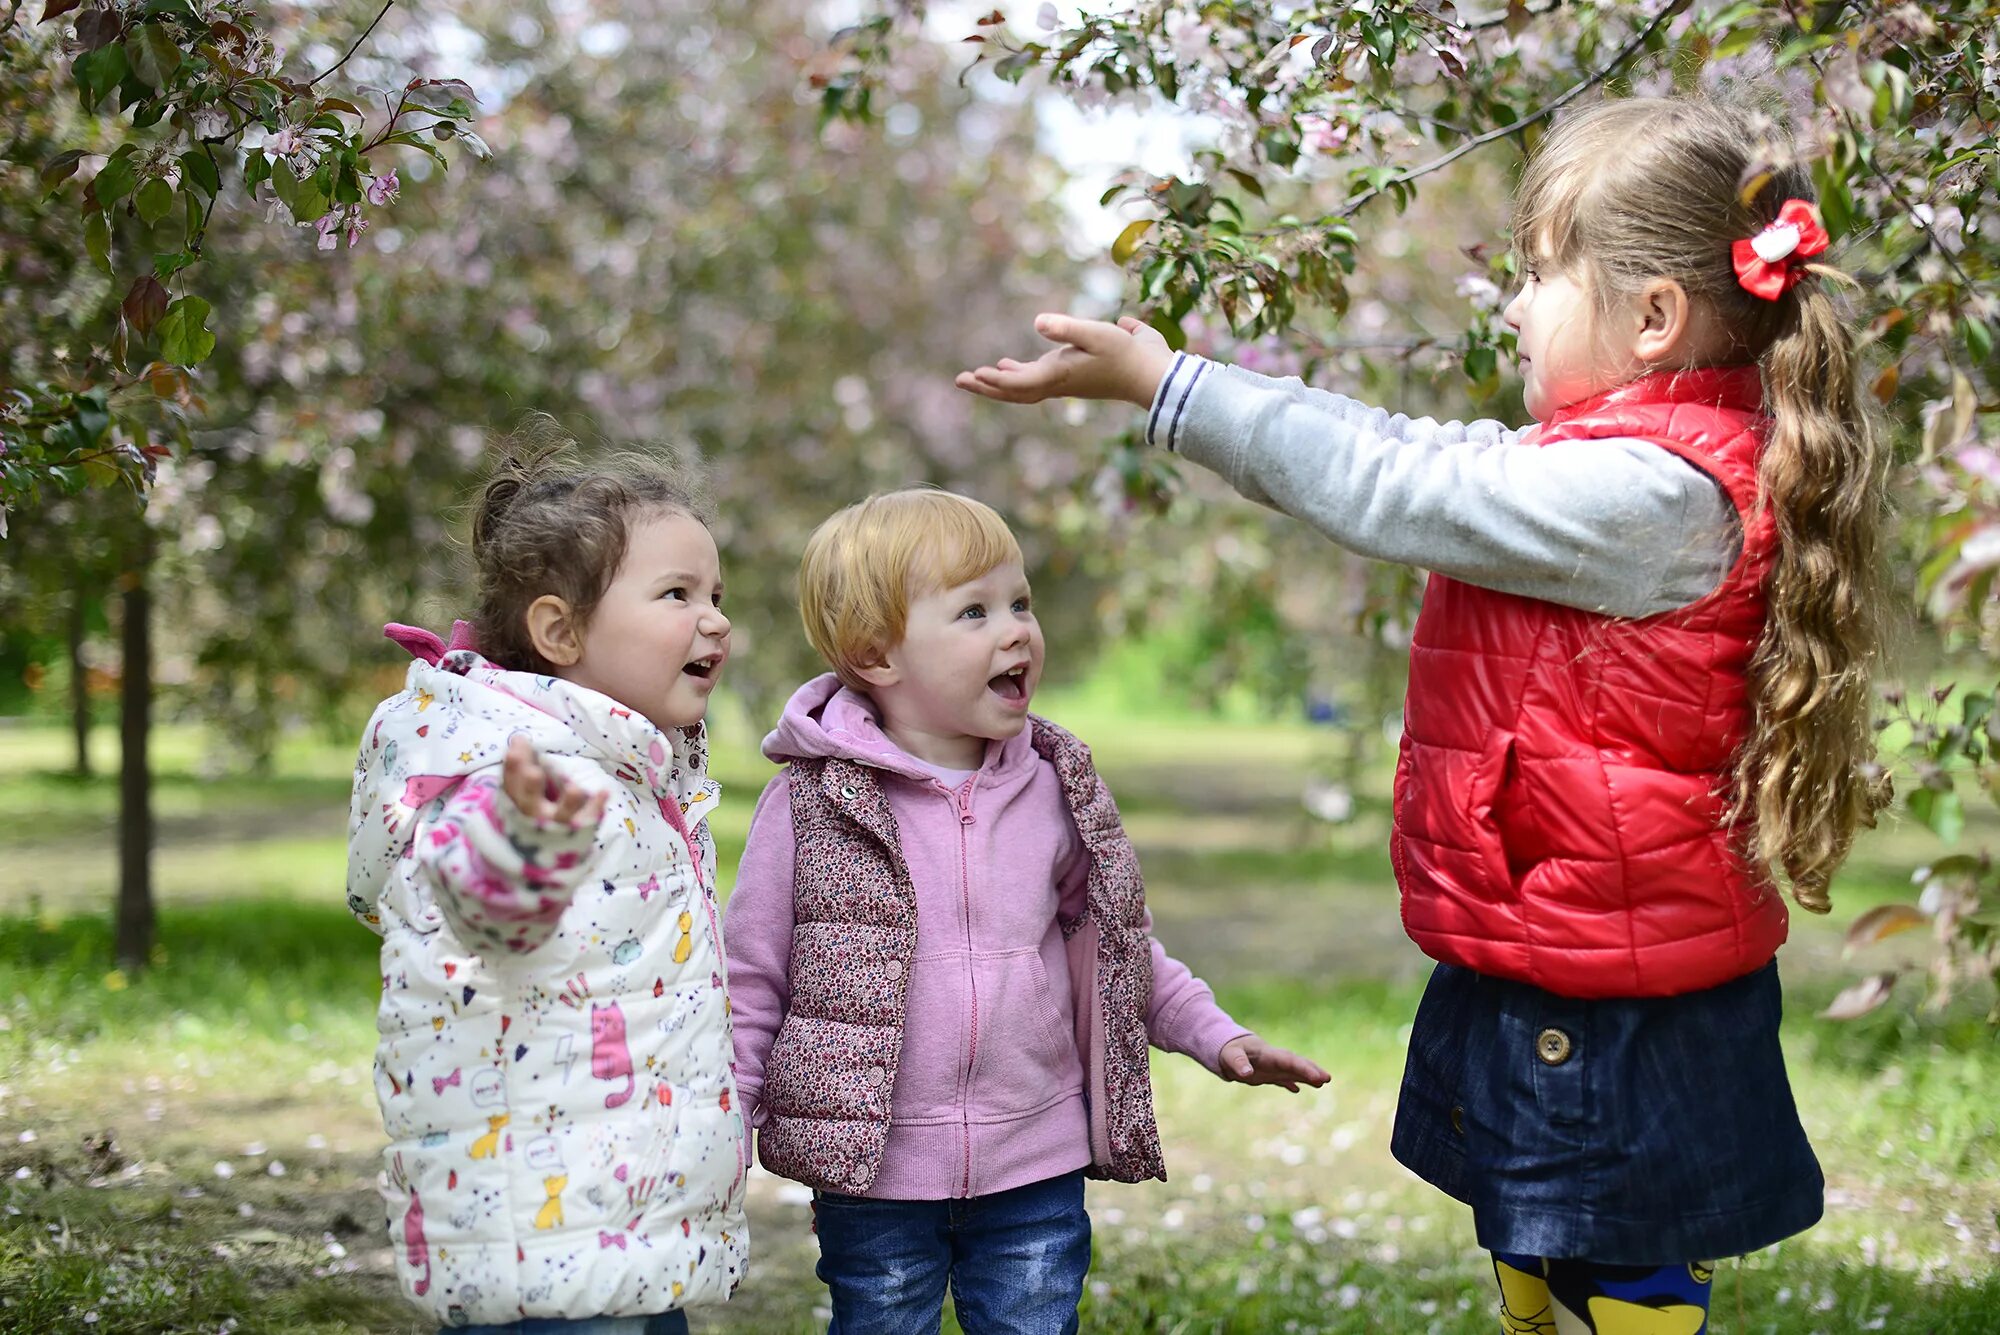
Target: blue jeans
[(1015, 1261), (666, 1323)]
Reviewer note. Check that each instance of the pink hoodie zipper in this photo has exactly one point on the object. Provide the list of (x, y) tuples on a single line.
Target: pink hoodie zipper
[(963, 802)]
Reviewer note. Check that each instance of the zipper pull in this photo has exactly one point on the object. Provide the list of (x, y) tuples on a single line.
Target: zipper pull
[(965, 816)]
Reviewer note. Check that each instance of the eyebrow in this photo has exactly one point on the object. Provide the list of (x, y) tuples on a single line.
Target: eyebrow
[(681, 577)]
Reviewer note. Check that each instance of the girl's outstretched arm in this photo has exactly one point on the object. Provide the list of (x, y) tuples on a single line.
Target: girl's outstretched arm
[(1619, 525), (506, 855)]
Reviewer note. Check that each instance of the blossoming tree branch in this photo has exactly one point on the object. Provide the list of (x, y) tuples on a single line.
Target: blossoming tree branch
[(176, 102)]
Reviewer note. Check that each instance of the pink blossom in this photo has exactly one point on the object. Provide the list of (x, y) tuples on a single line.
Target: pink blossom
[(287, 141), (356, 225), (328, 227), (383, 189), (1323, 134)]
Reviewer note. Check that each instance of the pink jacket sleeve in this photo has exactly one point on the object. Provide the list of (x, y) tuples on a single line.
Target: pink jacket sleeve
[(501, 880), (1182, 1015), (757, 927)]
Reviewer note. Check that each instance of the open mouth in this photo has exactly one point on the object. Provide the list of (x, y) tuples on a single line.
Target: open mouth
[(705, 668), (1011, 686)]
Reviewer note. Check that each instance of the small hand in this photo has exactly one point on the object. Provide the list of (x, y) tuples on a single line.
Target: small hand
[(541, 794), (1124, 361), (1250, 1060)]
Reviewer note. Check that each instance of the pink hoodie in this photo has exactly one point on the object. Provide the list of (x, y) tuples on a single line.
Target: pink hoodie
[(989, 1093)]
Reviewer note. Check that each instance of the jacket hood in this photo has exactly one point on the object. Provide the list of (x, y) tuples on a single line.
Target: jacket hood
[(826, 720), (455, 716)]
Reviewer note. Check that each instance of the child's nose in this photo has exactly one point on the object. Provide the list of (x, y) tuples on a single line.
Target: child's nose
[(713, 623)]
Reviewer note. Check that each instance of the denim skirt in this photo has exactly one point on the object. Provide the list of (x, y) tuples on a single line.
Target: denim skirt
[(1640, 1131)]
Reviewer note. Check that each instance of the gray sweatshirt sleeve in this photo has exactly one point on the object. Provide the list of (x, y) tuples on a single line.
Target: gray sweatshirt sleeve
[(1614, 525)]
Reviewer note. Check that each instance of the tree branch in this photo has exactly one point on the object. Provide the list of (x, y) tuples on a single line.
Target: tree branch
[(314, 81), (1568, 95), (1500, 20)]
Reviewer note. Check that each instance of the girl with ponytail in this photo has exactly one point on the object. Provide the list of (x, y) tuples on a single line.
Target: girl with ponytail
[(1638, 704)]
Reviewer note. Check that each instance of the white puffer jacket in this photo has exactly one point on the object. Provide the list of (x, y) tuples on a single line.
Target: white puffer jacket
[(554, 1066)]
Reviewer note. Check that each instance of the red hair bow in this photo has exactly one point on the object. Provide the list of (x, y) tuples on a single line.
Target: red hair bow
[(1769, 263)]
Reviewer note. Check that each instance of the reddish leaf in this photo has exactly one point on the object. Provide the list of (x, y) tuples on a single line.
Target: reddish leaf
[(1882, 922), (1886, 383), (145, 304), (1861, 997), (55, 9), (99, 27), (995, 17)]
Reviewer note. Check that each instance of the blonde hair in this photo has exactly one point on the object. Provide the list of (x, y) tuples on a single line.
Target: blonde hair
[(863, 565), (1629, 191)]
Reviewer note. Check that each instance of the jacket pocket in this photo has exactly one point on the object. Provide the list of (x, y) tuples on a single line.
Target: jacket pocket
[(1025, 1056), (1493, 771)]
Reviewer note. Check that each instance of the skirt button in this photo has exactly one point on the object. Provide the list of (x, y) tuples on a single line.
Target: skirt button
[(1552, 1046)]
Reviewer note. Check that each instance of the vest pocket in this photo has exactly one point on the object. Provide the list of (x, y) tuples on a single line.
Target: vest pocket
[(1490, 774)]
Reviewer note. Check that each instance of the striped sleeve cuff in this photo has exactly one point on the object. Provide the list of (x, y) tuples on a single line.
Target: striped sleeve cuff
[(1163, 423)]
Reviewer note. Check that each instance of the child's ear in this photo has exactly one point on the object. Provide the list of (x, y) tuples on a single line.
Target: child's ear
[(876, 669), (554, 632), (1666, 317)]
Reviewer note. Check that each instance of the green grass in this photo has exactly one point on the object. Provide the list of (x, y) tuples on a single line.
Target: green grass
[(249, 1042)]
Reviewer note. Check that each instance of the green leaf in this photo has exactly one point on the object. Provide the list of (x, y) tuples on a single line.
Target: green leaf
[(172, 262), (153, 54), (1941, 811), (184, 335), (1153, 280), (153, 201), (199, 168), (1129, 239), (1978, 337), (114, 182), (97, 73), (256, 170), (97, 240), (1170, 329), (59, 169), (1248, 182), (1481, 363)]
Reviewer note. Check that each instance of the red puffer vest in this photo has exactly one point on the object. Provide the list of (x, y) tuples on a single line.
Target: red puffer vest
[(1565, 776)]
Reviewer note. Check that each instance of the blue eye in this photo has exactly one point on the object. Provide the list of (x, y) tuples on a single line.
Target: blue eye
[(676, 592), (976, 610), (1020, 604)]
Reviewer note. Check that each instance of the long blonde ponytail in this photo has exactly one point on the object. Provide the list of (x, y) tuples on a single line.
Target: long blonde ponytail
[(1822, 475)]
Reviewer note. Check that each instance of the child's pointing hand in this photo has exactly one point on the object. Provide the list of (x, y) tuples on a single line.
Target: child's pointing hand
[(541, 794), (1096, 360), (1250, 1060)]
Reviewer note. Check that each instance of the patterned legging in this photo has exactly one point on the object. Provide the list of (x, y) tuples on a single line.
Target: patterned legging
[(1539, 1296)]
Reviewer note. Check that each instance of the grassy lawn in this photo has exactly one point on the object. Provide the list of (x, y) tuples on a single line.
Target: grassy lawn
[(198, 1147)]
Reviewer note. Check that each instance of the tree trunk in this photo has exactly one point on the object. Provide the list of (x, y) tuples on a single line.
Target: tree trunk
[(79, 686), (135, 775)]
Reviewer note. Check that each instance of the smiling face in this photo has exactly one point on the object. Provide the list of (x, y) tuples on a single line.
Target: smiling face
[(657, 639), (964, 671)]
